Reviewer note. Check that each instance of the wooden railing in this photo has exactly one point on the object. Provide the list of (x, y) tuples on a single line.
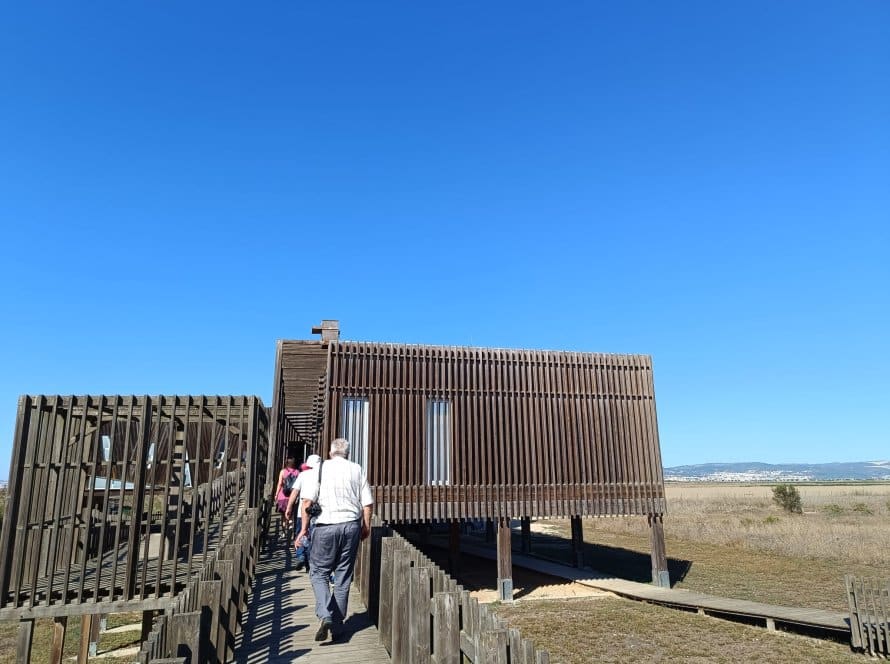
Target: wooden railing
[(201, 624), (122, 503), (869, 601), (424, 616)]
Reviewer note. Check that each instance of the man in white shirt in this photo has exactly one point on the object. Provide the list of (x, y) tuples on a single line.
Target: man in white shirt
[(346, 504)]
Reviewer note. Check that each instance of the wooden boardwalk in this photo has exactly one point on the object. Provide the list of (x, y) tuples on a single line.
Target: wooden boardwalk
[(280, 624), (829, 621)]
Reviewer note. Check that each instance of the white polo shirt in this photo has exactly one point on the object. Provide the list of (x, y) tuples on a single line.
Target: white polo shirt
[(344, 490)]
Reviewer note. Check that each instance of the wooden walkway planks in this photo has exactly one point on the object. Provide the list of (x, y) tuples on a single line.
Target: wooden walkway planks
[(818, 618), (280, 624)]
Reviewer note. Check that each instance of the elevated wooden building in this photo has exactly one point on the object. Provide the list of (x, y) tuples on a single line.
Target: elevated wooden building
[(457, 433)]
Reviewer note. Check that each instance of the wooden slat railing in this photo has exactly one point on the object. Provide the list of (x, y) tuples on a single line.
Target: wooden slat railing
[(124, 503), (869, 601), (201, 624), (424, 616)]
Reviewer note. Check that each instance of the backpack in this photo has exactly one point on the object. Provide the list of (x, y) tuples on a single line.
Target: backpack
[(288, 485)]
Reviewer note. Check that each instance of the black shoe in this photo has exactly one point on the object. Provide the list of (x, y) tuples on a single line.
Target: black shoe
[(324, 630), (299, 565)]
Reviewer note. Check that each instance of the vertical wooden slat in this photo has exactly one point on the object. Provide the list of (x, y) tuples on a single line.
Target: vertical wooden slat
[(140, 458)]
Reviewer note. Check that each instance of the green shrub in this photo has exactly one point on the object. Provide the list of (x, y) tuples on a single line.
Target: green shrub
[(833, 509), (862, 508), (771, 519), (787, 497), (747, 522)]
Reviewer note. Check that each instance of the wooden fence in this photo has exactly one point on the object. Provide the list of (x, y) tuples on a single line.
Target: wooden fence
[(424, 616), (113, 500), (201, 624), (869, 614)]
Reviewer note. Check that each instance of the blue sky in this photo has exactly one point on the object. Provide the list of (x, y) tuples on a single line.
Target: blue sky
[(709, 183)]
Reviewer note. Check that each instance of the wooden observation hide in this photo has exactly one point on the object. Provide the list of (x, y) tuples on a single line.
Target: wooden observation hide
[(457, 433)]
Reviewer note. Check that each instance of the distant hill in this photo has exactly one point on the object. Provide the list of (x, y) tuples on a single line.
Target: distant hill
[(783, 472)]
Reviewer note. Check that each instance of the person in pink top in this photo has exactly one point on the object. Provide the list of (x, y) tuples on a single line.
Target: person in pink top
[(287, 478)]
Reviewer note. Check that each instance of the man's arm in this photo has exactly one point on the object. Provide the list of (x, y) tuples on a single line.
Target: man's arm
[(367, 510), (290, 503)]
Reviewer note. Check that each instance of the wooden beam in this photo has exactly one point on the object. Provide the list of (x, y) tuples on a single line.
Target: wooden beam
[(454, 548), (23, 641), (83, 653), (505, 560), (577, 542), (660, 576), (58, 645), (526, 535)]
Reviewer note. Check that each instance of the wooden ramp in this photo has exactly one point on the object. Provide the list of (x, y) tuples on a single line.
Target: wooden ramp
[(834, 622), (280, 624)]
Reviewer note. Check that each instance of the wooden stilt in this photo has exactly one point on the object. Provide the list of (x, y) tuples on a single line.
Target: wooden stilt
[(454, 547), (660, 576), (577, 542), (505, 561), (23, 641), (147, 623), (83, 652), (58, 645), (95, 623), (526, 535)]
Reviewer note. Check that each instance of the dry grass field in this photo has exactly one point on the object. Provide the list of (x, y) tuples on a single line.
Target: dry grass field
[(579, 631), (728, 540)]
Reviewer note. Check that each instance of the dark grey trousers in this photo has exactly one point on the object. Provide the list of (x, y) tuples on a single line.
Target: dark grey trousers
[(333, 551)]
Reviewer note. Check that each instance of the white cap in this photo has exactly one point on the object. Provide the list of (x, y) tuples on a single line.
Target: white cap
[(313, 460)]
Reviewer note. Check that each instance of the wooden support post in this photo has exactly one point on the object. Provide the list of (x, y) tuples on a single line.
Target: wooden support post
[(454, 548), (384, 615), (526, 534), (401, 646), (660, 576), (225, 643), (95, 623), (419, 615), (23, 641), (147, 624), (185, 636), (577, 542), (375, 571), (446, 627), (492, 646), (505, 561), (83, 653), (60, 623), (209, 601)]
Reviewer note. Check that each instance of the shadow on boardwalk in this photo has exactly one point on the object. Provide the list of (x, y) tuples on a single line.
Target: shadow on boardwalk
[(280, 624)]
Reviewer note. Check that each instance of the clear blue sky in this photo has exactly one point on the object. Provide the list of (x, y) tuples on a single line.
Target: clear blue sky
[(183, 183)]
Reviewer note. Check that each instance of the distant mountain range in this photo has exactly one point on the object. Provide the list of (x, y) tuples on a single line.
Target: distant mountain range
[(782, 472)]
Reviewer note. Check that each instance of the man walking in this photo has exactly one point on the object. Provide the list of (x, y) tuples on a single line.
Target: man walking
[(346, 503)]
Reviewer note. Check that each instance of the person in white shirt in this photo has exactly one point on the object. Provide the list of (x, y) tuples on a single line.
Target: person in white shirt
[(346, 505)]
